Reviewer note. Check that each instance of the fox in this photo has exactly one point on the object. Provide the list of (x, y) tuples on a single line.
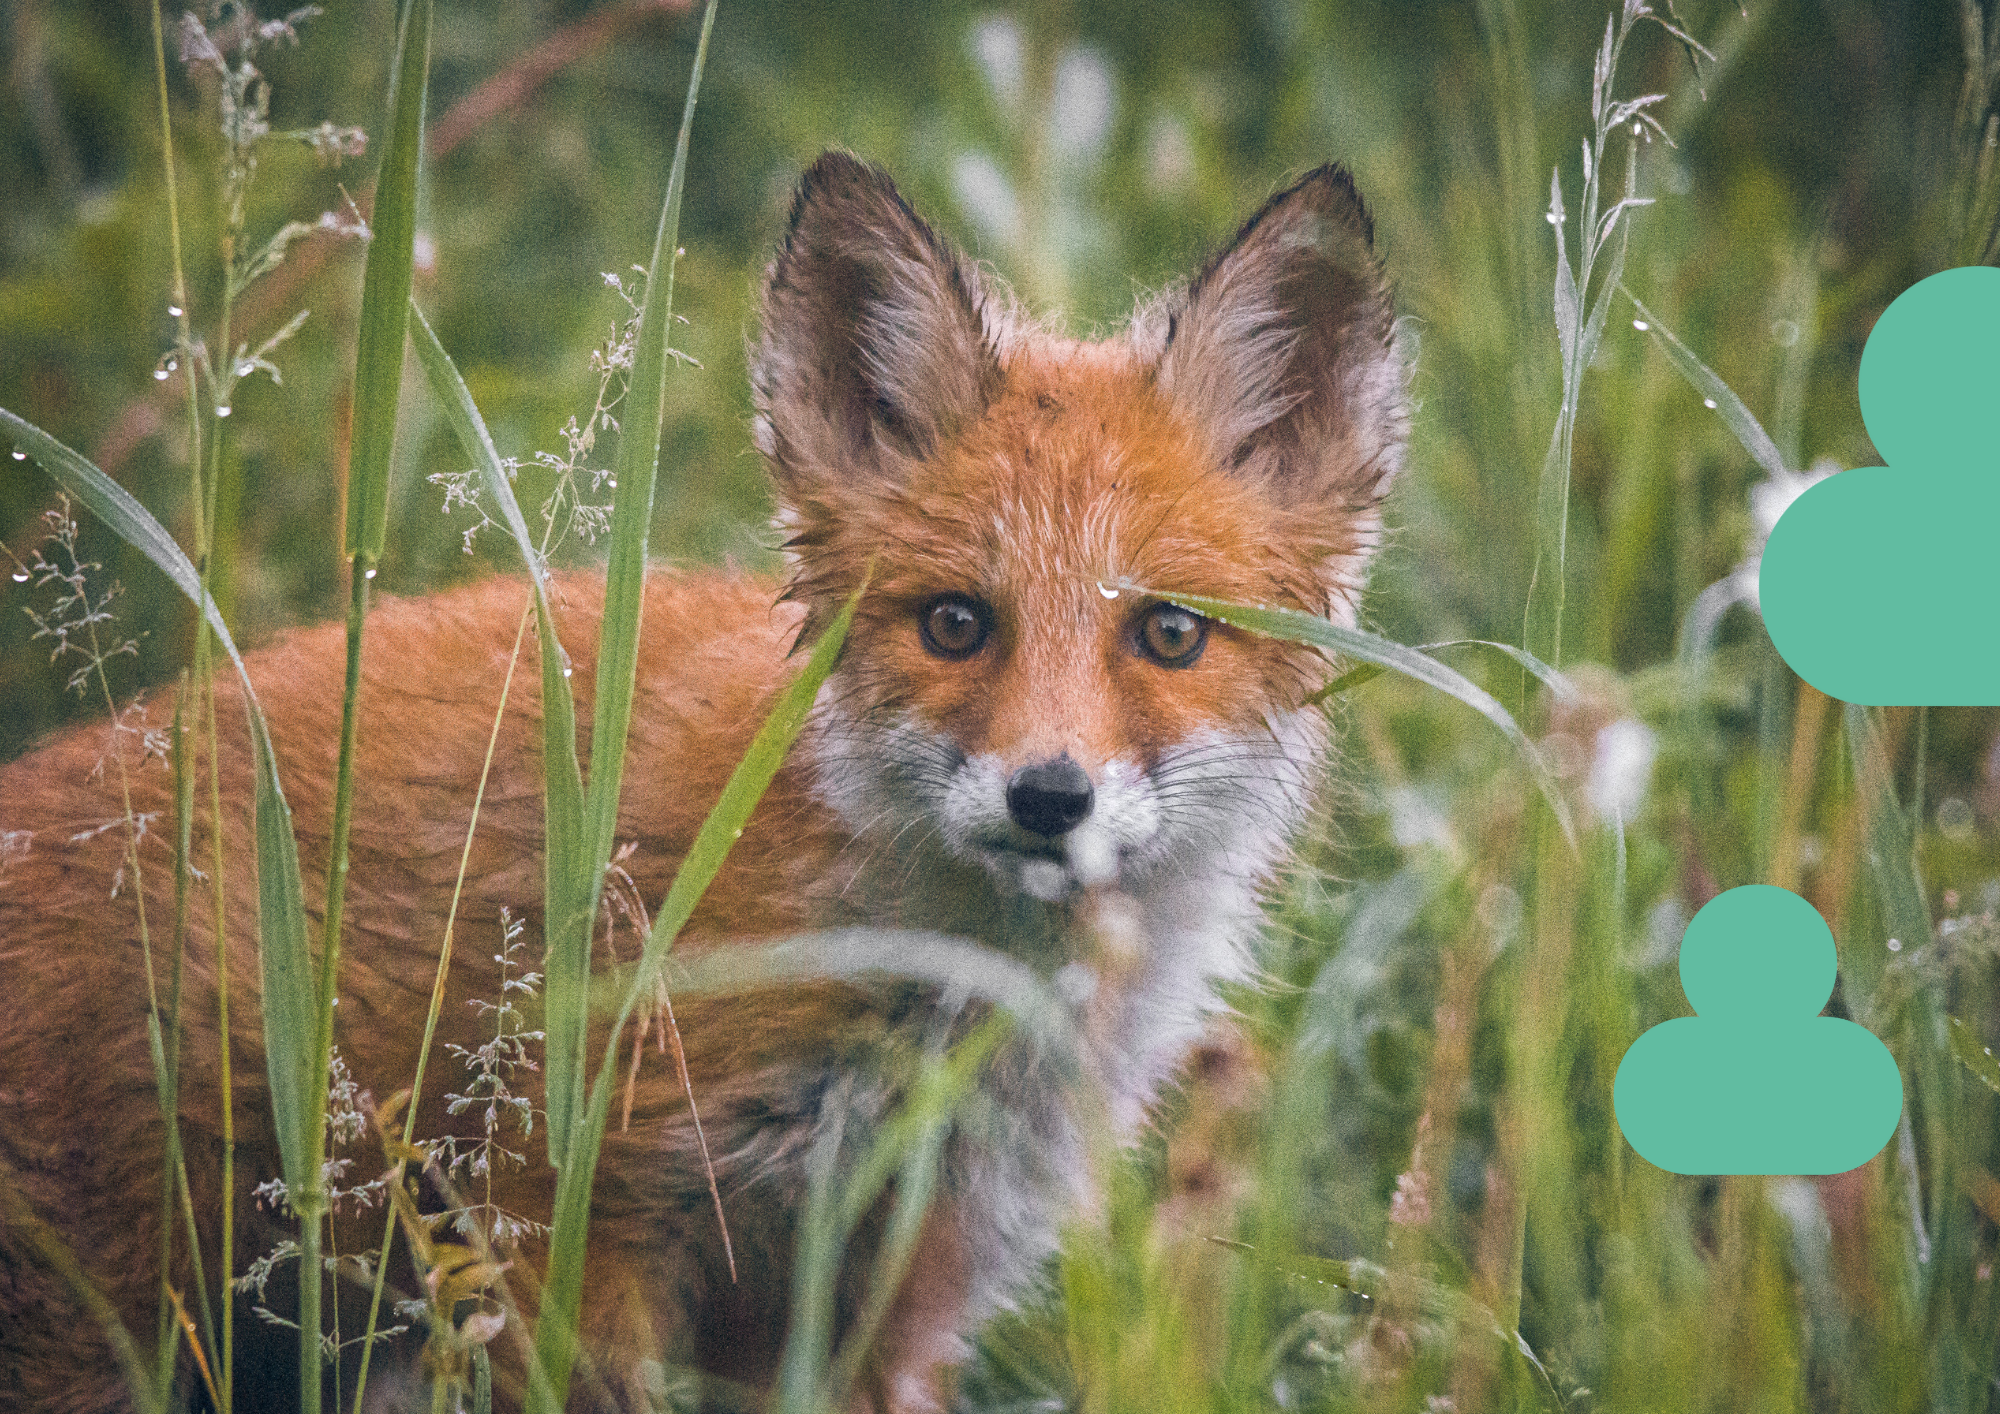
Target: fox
[(1025, 743)]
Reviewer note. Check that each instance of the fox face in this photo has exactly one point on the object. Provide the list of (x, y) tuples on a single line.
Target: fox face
[(1020, 711)]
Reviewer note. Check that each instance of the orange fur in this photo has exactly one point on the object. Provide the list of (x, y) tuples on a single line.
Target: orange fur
[(1056, 785)]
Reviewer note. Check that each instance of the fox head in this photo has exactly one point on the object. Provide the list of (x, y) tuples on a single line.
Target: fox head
[(1013, 692)]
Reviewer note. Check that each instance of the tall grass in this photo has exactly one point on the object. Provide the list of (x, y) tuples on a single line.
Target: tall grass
[(1425, 1201)]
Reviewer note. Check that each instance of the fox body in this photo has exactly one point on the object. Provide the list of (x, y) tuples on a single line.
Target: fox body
[(1021, 745)]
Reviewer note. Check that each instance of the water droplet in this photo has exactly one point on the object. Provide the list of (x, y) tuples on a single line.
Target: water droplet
[(244, 370), (1641, 325), (1708, 403), (160, 375), (568, 671), (20, 576), (739, 833), (173, 364), (1637, 130), (1895, 945), (1108, 591), (223, 411), (612, 482), (368, 573), (19, 455), (174, 311), (680, 250), (1553, 219)]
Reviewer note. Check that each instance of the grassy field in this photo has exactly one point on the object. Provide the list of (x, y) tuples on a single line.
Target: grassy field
[(1413, 1155)]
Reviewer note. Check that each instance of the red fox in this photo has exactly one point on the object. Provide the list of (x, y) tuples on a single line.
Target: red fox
[(1013, 735)]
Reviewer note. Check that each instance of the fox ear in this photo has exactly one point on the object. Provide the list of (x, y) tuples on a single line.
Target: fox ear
[(1283, 351), (874, 348)]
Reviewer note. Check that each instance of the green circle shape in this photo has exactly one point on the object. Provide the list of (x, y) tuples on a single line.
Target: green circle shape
[(1930, 376), (1757, 955)]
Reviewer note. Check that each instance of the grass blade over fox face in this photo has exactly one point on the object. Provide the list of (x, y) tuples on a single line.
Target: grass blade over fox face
[(1016, 747)]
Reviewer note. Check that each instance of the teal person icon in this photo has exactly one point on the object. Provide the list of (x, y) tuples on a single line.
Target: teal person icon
[(1756, 1081)]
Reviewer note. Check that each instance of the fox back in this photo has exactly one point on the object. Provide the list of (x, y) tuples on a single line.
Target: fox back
[(1023, 745)]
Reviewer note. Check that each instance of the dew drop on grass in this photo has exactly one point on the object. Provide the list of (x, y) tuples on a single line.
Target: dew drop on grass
[(174, 311), (161, 373), (568, 670), (1708, 403), (1895, 945), (1553, 219), (19, 455), (20, 576), (368, 573), (1108, 591), (1641, 325), (223, 411)]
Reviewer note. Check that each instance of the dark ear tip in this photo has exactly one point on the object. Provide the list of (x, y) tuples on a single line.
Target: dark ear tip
[(837, 175), (1330, 188)]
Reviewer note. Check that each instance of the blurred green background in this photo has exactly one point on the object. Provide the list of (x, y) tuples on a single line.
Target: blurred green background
[(1450, 991)]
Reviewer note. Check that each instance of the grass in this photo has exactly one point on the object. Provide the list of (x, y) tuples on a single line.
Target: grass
[(1424, 1198)]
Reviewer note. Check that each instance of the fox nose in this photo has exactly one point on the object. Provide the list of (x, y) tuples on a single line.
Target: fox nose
[(1050, 798)]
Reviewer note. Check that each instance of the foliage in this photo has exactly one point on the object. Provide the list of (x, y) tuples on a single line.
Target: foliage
[(1430, 1161)]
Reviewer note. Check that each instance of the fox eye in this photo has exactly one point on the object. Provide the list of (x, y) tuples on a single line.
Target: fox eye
[(1171, 636), (954, 627)]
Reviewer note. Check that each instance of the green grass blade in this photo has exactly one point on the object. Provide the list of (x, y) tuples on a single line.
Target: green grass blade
[(1296, 627), (906, 1150), (562, 1292), (1715, 393), (566, 975), (463, 415), (290, 1023), (1932, 1088), (1600, 309), (385, 291), (1975, 1056), (635, 474), (1432, 1297), (570, 891), (567, 874), (1542, 627), (1568, 306), (117, 508), (938, 959), (290, 988), (1549, 677)]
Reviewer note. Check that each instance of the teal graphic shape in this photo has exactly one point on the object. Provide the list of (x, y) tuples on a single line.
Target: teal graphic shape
[(1756, 1081), (1875, 582)]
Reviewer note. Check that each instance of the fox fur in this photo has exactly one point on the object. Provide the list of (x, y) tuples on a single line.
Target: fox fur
[(1009, 488)]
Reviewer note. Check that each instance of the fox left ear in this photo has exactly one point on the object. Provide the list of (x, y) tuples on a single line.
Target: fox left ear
[(1283, 352), (874, 349)]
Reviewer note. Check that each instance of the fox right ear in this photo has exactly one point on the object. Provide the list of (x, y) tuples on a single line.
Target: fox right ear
[(1283, 351), (874, 348)]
